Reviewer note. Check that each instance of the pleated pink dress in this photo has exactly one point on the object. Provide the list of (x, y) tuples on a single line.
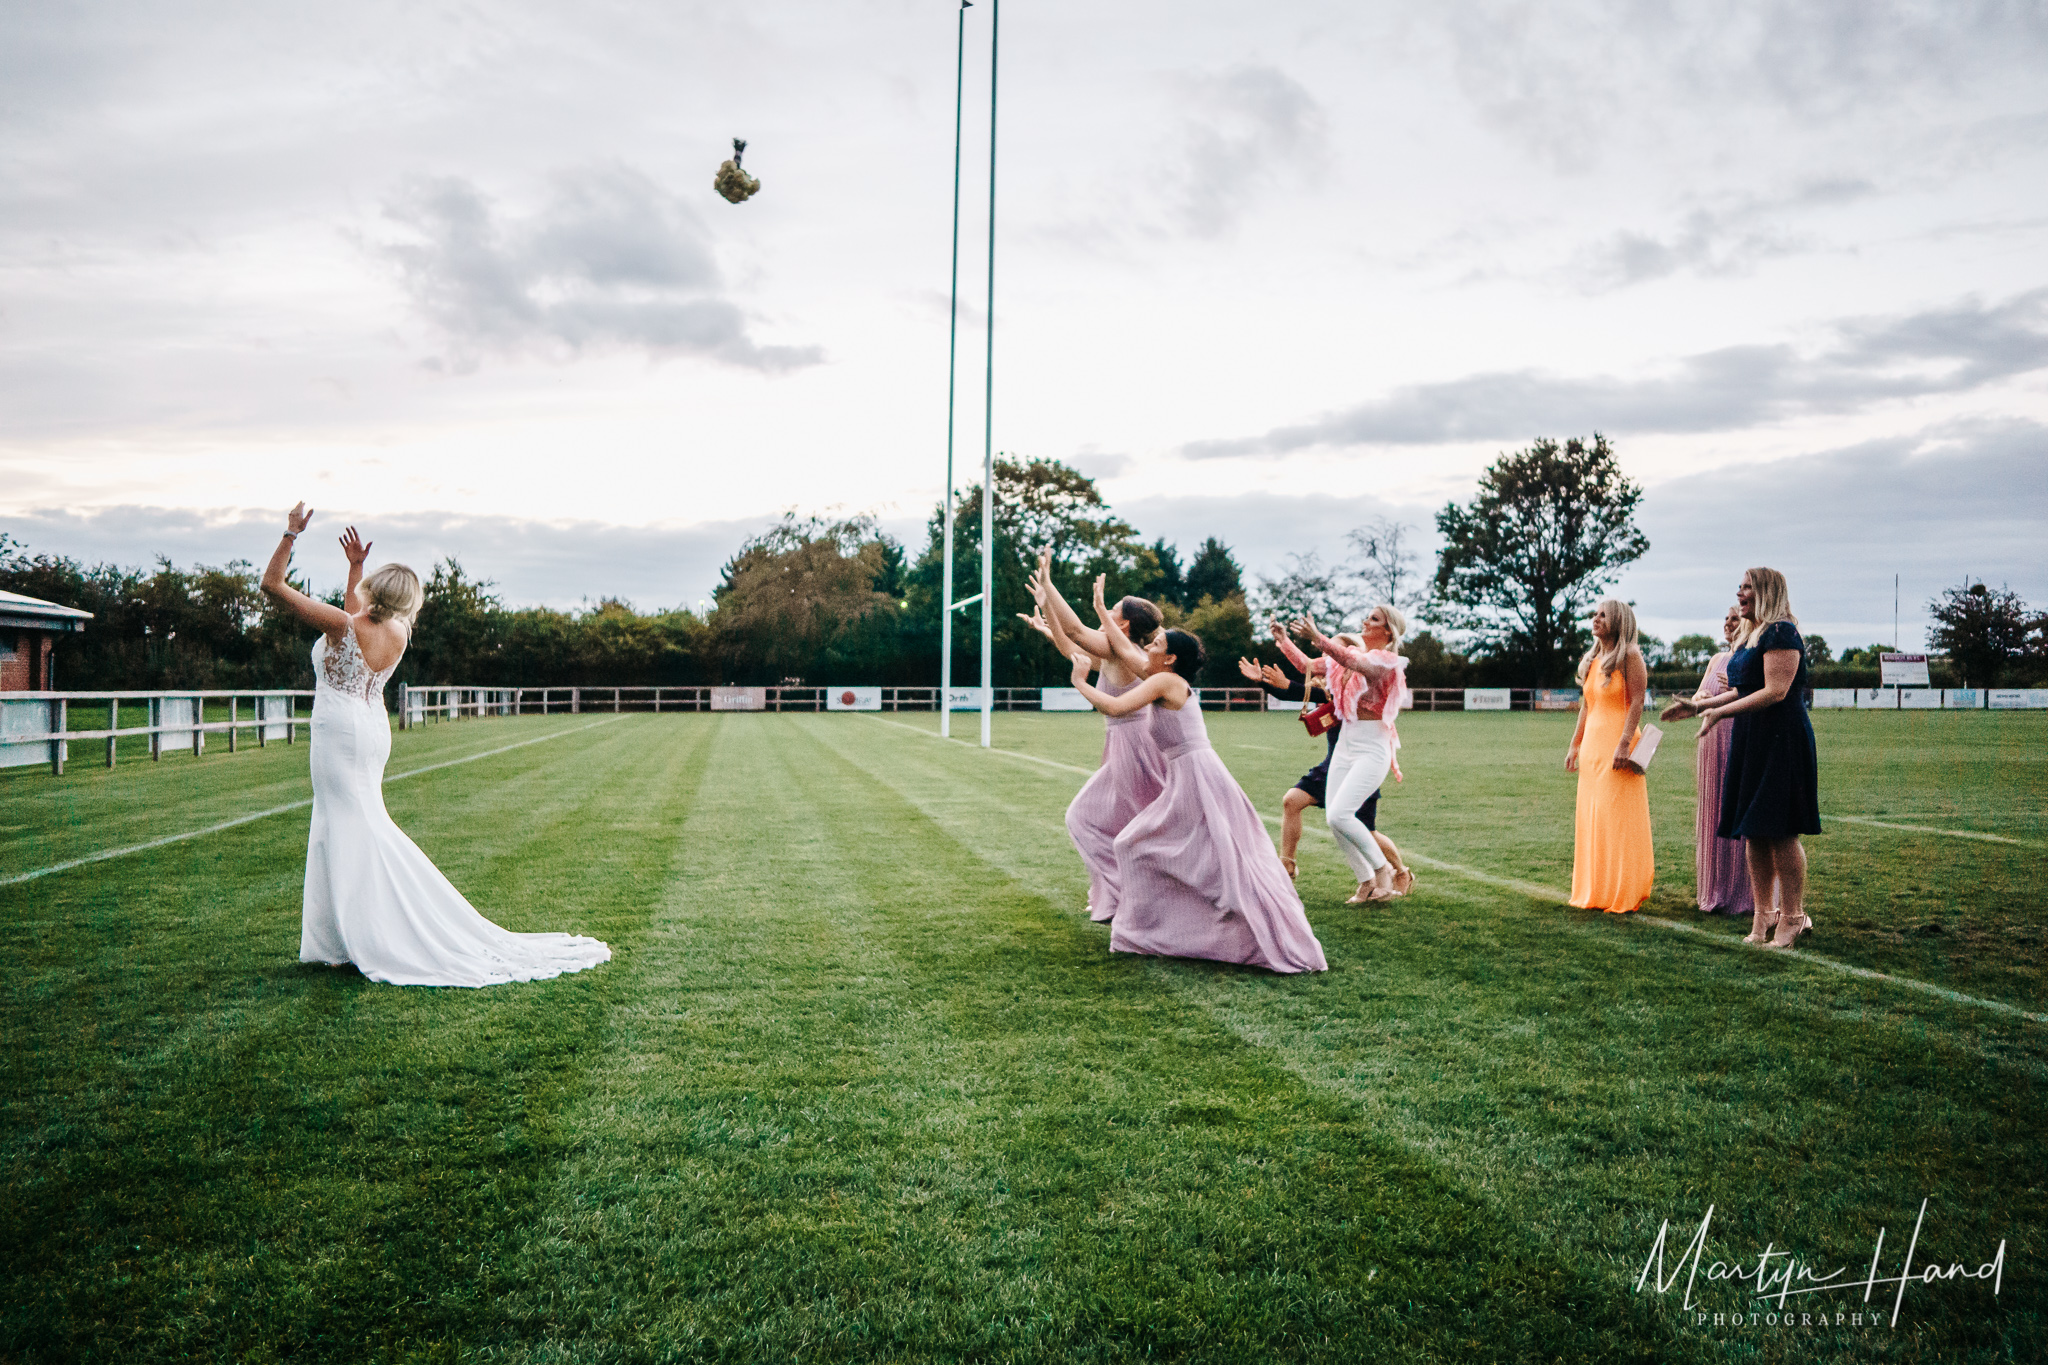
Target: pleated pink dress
[(1721, 865), (1200, 875), (1132, 775)]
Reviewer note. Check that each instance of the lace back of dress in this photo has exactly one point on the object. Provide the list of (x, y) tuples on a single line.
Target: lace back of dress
[(346, 670)]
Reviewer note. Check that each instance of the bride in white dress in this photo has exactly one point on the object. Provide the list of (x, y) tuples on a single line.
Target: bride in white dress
[(372, 898)]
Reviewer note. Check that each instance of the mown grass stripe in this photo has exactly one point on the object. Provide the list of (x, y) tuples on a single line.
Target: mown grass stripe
[(1934, 829), (104, 854)]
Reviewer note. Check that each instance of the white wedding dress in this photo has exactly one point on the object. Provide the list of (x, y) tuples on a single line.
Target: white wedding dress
[(372, 898)]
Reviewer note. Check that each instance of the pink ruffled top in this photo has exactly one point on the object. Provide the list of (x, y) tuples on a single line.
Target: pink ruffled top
[(1371, 685)]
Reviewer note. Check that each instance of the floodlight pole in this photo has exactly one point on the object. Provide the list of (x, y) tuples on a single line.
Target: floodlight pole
[(952, 369), (988, 468)]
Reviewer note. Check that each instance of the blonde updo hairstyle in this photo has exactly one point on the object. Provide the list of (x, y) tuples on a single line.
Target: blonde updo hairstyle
[(393, 592)]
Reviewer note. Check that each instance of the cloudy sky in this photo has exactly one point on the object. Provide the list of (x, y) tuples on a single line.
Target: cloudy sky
[(457, 273)]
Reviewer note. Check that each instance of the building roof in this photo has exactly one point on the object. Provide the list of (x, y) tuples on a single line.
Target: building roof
[(36, 614)]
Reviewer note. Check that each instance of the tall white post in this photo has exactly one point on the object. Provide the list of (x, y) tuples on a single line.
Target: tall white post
[(988, 468), (952, 370)]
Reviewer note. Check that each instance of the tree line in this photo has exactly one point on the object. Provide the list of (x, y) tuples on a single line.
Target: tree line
[(838, 601)]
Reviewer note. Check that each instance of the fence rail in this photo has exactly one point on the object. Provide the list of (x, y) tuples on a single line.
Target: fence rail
[(176, 721)]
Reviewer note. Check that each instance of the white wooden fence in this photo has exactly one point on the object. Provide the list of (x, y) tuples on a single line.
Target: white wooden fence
[(35, 727)]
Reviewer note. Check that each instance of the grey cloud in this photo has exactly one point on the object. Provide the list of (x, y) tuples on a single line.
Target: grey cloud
[(1966, 498), (611, 260), (1246, 128), (1560, 77), (1710, 241), (1949, 350)]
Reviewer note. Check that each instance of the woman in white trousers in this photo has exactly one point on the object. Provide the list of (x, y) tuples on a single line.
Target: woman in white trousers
[(1368, 683)]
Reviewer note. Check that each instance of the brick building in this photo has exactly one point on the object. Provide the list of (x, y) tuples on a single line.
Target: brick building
[(29, 628)]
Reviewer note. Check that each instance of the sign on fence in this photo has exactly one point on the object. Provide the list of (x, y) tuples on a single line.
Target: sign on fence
[(1554, 699), (1870, 698), (1063, 699), (1919, 698), (1833, 698), (1488, 699), (1962, 699), (2019, 699), (965, 698), (175, 711), (1902, 670), (853, 699), (272, 711), (739, 699), (27, 718), (1274, 703)]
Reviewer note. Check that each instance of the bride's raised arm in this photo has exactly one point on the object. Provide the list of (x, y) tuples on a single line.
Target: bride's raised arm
[(329, 618)]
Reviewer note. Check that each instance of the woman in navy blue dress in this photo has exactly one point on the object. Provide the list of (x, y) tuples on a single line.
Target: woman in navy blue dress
[(1770, 793)]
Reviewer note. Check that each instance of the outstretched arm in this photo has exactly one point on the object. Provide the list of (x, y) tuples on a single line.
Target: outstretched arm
[(1056, 605), (329, 618), (1306, 666), (357, 549), (1113, 635), (1045, 622), (1169, 687), (1353, 659), (1275, 682)]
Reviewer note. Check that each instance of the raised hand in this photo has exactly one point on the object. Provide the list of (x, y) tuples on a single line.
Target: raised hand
[(355, 547), (1279, 631), (297, 519), (1081, 667), (1272, 674), (1306, 628), (1249, 669), (1036, 620)]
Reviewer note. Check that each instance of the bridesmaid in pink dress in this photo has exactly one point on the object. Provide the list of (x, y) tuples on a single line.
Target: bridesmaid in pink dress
[(1722, 865), (1133, 772), (1200, 876)]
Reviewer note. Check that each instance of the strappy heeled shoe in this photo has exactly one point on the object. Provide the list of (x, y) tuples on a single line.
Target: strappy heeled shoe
[(1760, 925), (1404, 881), (1789, 931)]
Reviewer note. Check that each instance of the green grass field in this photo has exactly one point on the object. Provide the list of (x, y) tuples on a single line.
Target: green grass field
[(862, 1083)]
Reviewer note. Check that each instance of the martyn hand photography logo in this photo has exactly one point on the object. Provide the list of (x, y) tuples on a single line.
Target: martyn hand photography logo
[(1785, 1290)]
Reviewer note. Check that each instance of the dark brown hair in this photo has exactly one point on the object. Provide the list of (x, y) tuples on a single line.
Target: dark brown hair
[(1186, 649), (1141, 619)]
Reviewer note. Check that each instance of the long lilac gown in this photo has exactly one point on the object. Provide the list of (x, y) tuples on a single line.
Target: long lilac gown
[(1200, 875), (1132, 775), (1722, 875)]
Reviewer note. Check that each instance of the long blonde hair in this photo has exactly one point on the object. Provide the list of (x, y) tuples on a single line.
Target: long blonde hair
[(1770, 598), (1623, 618), (1397, 624), (393, 591)]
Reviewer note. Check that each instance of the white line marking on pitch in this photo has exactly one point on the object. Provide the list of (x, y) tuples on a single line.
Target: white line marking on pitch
[(1934, 829), (105, 854), (1557, 897)]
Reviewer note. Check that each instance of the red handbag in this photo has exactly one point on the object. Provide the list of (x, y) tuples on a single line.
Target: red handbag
[(1317, 720)]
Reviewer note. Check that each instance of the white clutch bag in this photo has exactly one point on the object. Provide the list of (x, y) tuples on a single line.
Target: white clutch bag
[(1646, 748)]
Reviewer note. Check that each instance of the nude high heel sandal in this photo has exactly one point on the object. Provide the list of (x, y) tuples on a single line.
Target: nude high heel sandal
[(1760, 924), (1789, 930)]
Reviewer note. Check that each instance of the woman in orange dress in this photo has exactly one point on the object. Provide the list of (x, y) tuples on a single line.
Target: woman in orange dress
[(1613, 861)]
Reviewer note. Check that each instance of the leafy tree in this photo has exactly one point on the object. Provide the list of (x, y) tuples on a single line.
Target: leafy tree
[(794, 589), (1384, 565), (1522, 563), (1981, 631), (1430, 664), (1693, 651), (1225, 630), (456, 640), (1866, 657), (1309, 588), (1655, 652), (1214, 574), (1037, 503), (1817, 651), (1166, 582)]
